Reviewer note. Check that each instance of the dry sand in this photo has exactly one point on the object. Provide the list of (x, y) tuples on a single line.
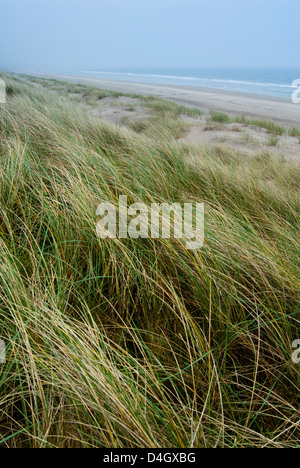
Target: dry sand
[(120, 110), (244, 139)]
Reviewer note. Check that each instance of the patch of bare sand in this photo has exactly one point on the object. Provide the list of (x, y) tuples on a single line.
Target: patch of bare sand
[(120, 110), (242, 138)]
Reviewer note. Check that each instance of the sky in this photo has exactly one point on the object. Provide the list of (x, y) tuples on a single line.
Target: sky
[(73, 35)]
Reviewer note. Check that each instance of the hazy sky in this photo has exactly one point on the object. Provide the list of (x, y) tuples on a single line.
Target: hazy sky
[(69, 35)]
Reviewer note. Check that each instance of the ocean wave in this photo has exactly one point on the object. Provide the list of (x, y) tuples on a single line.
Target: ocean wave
[(191, 78)]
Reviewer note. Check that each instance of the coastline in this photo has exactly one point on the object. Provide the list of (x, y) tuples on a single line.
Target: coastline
[(206, 99)]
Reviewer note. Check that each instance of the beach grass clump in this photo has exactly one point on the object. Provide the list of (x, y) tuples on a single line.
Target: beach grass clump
[(142, 343), (271, 126), (295, 132), (166, 125), (223, 118), (273, 141), (219, 117), (163, 107)]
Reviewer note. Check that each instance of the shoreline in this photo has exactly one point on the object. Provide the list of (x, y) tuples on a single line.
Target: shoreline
[(251, 105)]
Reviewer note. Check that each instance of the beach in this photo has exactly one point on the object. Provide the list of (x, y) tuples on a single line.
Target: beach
[(251, 105), (242, 121)]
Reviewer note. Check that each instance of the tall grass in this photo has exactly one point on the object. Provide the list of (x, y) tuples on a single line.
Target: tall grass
[(142, 343)]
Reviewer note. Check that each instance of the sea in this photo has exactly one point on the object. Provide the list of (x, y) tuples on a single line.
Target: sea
[(267, 82)]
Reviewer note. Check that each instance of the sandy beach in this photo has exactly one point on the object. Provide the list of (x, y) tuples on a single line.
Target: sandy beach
[(250, 105)]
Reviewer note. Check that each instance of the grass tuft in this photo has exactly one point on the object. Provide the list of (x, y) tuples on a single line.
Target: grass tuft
[(219, 117)]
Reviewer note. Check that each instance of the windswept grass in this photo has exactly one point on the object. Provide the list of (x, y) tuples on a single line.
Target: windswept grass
[(269, 125), (142, 343)]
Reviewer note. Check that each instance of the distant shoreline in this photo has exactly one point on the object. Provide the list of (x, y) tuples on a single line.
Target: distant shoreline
[(251, 105)]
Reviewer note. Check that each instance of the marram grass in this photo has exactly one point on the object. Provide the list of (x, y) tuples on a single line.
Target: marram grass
[(142, 343)]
